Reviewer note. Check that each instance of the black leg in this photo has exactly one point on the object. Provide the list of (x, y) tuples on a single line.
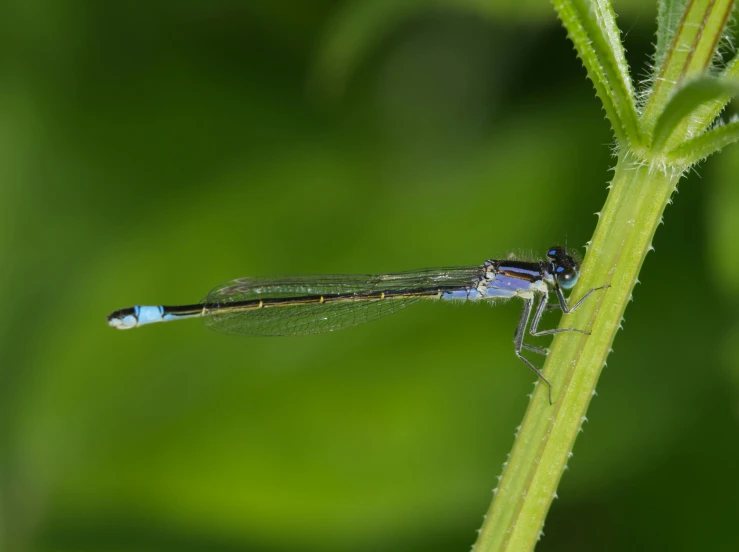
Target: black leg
[(537, 350), (519, 344), (543, 300), (563, 302), (534, 329)]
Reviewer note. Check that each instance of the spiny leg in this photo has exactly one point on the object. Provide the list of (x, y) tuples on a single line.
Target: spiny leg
[(563, 301), (537, 350), (534, 329), (519, 344)]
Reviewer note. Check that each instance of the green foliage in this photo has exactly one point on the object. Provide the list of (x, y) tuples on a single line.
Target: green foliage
[(150, 151), (693, 46), (685, 102), (669, 14), (708, 143), (644, 181), (592, 28)]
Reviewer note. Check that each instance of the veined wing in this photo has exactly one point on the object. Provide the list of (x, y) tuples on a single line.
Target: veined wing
[(298, 305)]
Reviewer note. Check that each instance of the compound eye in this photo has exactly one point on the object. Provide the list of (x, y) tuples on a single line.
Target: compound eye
[(567, 277)]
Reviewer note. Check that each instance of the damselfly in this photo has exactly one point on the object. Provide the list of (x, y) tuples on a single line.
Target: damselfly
[(299, 305)]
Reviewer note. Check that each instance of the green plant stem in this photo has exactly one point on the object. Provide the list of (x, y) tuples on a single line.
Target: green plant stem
[(705, 144), (545, 440)]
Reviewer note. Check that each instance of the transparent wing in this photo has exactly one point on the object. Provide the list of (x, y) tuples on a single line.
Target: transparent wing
[(348, 300)]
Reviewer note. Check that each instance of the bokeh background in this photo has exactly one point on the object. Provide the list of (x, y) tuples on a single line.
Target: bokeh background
[(152, 150)]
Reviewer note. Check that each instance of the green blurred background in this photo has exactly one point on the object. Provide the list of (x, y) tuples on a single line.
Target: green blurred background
[(151, 150)]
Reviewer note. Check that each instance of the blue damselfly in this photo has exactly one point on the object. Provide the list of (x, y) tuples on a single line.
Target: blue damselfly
[(299, 305)]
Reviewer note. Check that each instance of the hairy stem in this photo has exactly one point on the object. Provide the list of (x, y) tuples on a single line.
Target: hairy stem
[(545, 440)]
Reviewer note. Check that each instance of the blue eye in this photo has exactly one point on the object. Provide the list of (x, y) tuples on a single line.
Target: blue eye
[(566, 283)]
